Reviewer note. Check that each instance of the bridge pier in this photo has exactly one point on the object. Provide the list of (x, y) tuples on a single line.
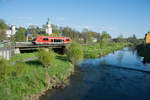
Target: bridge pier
[(17, 51), (6, 53)]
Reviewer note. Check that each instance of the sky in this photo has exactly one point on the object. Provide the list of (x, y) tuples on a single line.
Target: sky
[(126, 17)]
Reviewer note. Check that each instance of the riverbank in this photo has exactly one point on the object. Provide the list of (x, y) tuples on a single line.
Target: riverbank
[(101, 49), (35, 80)]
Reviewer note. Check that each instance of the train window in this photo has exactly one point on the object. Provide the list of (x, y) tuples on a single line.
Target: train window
[(57, 40), (45, 39), (52, 40), (67, 39)]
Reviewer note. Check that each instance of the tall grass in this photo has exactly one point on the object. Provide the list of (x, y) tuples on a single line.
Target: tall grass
[(101, 48), (74, 52), (26, 79), (5, 69), (46, 57)]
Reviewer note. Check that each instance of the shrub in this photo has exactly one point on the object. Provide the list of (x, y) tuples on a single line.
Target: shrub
[(19, 68), (103, 44), (74, 52), (5, 69), (46, 57)]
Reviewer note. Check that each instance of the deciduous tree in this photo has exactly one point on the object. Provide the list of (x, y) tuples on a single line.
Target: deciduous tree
[(20, 35)]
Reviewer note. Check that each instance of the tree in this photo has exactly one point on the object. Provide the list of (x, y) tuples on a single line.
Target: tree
[(105, 36), (74, 53), (20, 35), (120, 38), (55, 30), (46, 57), (34, 30), (3, 28), (134, 36)]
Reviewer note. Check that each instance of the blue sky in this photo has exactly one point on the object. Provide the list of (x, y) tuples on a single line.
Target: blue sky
[(126, 17)]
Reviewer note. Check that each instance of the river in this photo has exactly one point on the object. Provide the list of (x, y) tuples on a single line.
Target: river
[(121, 75)]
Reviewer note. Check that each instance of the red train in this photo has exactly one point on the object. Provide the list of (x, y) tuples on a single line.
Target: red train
[(50, 40)]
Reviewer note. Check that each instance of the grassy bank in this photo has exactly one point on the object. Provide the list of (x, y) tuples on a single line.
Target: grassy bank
[(34, 79), (100, 49), (23, 56)]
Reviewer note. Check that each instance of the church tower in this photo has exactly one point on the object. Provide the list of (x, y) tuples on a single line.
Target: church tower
[(48, 27)]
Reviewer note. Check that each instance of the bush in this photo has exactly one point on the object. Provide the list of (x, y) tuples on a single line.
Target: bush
[(5, 69), (19, 68), (74, 52), (46, 57)]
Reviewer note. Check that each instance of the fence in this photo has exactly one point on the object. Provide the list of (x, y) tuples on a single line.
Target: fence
[(6, 53)]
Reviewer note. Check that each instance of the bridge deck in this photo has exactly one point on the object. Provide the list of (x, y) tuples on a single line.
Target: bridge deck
[(30, 46)]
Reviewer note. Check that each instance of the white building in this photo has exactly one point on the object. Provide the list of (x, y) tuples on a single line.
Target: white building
[(11, 31), (48, 27)]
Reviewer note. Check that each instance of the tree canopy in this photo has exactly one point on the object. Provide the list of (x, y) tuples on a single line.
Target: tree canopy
[(20, 35), (105, 36), (3, 28)]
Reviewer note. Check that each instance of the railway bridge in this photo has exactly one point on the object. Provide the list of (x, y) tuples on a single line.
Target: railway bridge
[(21, 47), (28, 46)]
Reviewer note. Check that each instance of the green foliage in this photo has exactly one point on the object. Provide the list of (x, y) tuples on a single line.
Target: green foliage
[(54, 35), (103, 44), (134, 41), (34, 30), (5, 69), (19, 68), (23, 56), (101, 48), (74, 52), (20, 35), (33, 79), (120, 38), (3, 28), (46, 57), (105, 36), (2, 24)]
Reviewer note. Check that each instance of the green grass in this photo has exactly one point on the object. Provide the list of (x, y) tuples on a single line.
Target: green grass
[(97, 50), (23, 56), (33, 80)]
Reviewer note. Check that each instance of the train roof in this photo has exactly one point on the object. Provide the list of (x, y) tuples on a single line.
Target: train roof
[(51, 37)]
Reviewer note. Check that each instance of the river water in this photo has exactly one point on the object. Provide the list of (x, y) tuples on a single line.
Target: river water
[(121, 75)]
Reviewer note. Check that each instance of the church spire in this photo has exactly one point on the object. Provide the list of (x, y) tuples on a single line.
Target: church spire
[(48, 27), (48, 22)]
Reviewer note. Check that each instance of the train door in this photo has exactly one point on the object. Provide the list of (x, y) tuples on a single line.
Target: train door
[(52, 41)]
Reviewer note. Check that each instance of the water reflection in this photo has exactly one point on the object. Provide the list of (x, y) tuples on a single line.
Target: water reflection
[(108, 78), (146, 60), (120, 57)]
